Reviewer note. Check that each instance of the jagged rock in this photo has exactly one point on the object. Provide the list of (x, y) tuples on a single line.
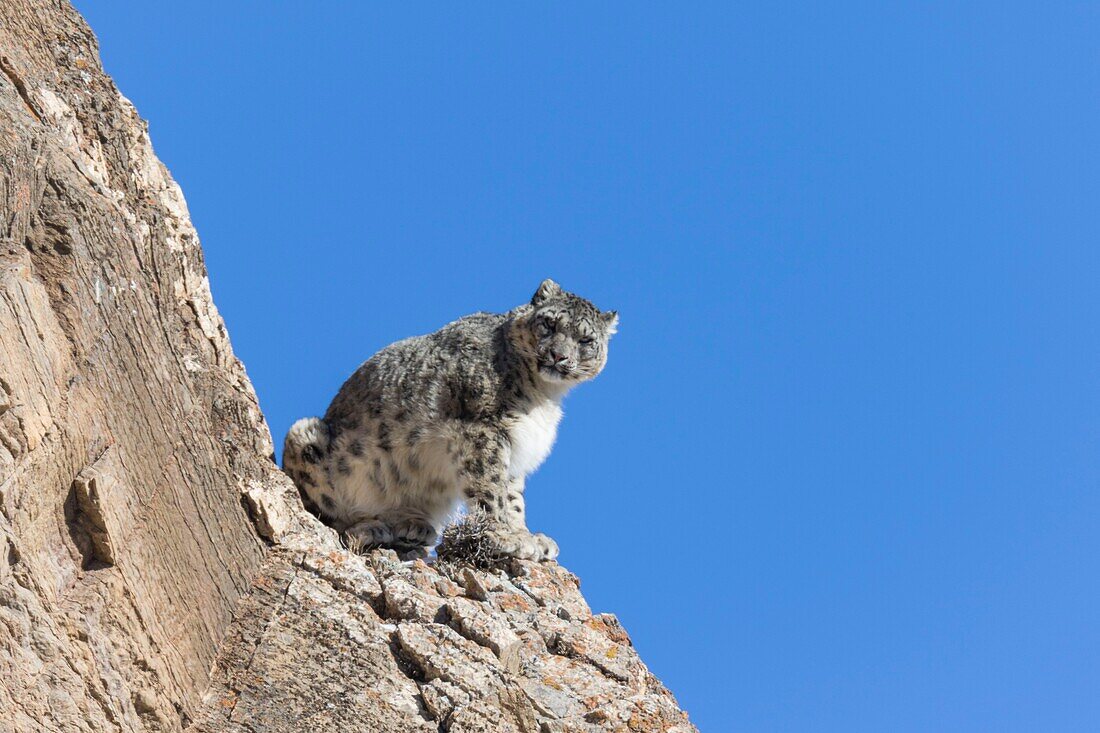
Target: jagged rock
[(128, 430), (471, 661), (157, 572), (474, 621), (405, 601)]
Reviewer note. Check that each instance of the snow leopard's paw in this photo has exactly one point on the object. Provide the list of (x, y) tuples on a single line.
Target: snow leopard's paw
[(522, 544), (414, 532), (368, 534), (547, 547)]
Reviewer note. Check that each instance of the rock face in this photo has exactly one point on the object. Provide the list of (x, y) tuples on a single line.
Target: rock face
[(157, 572), (334, 641), (128, 430)]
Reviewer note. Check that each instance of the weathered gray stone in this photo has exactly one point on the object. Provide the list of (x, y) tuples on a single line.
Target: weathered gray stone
[(441, 698), (302, 637), (485, 716), (478, 623), (439, 652), (407, 602), (128, 429), (553, 587), (616, 660)]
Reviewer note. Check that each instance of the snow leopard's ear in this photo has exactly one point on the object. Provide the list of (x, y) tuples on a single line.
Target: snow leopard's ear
[(547, 290), (610, 321)]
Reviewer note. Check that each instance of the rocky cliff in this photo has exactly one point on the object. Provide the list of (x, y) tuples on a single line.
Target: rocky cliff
[(157, 571)]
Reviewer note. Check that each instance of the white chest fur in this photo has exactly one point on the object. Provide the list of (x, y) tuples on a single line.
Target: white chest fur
[(532, 436)]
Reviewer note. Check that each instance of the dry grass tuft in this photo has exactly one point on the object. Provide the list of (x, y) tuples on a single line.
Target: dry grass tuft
[(466, 542)]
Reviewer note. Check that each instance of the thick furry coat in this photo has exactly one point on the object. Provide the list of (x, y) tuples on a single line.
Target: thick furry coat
[(460, 415)]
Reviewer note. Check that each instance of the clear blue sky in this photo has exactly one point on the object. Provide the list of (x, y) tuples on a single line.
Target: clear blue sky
[(842, 471)]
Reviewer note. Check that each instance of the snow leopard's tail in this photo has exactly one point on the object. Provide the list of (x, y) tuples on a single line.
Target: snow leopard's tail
[(304, 451)]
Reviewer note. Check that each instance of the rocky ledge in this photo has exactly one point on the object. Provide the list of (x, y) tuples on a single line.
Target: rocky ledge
[(336, 641)]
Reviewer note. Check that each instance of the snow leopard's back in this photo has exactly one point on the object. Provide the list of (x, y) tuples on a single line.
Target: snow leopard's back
[(387, 442)]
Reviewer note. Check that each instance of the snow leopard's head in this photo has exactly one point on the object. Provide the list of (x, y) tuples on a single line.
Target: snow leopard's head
[(564, 335)]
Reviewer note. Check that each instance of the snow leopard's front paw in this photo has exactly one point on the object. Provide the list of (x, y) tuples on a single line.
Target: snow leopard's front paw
[(414, 533), (548, 549), (523, 545), (368, 534)]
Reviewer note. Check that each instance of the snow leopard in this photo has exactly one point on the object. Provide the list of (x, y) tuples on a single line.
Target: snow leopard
[(459, 417)]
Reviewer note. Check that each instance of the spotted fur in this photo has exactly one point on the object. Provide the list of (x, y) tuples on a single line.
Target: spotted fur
[(464, 414)]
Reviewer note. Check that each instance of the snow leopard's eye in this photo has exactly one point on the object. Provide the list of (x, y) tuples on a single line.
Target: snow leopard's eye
[(587, 341), (543, 329)]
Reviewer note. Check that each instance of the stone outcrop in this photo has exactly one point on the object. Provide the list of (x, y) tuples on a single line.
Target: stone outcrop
[(157, 572), (335, 641), (128, 430)]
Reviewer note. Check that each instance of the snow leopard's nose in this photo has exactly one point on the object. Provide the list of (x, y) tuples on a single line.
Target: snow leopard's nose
[(558, 357)]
